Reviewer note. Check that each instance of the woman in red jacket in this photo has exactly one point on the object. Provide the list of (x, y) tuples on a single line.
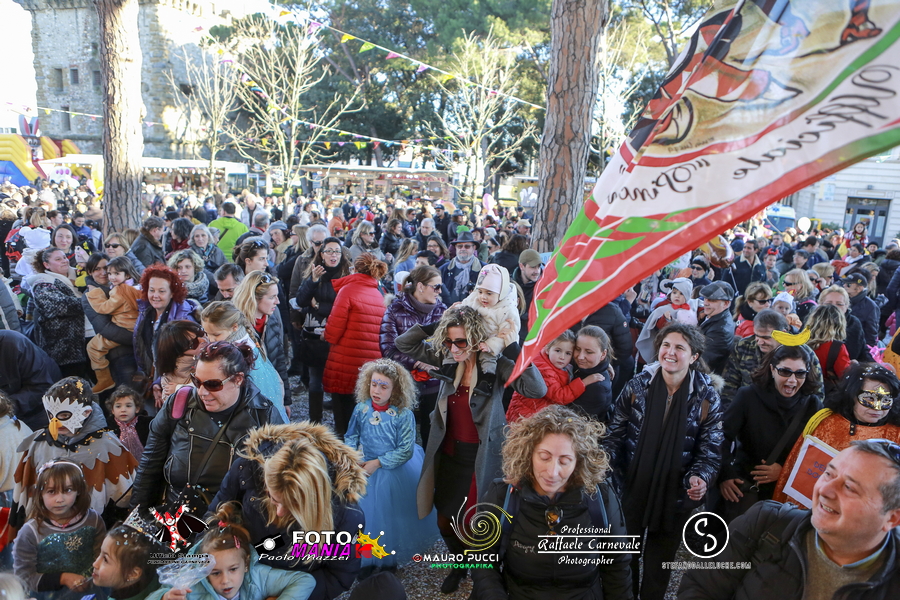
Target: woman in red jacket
[(353, 331)]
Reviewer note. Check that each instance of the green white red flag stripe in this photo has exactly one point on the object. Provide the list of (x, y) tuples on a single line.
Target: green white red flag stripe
[(767, 98)]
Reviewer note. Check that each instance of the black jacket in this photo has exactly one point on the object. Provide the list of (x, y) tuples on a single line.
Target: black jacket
[(868, 313), (757, 420), (719, 332), (779, 568), (505, 259), (176, 447), (273, 340), (390, 243), (856, 340), (528, 293), (525, 574), (26, 373), (611, 320)]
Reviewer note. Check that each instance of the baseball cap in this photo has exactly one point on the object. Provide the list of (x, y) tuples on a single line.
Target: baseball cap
[(530, 258), (523, 222), (857, 278)]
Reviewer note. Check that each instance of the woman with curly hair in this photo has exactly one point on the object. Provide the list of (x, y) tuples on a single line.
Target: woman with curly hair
[(463, 453), (554, 474), (384, 429), (866, 407), (192, 273), (664, 446), (163, 299), (352, 329)]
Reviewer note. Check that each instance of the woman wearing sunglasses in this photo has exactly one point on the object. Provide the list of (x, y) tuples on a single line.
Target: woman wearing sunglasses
[(315, 297), (223, 400), (463, 452), (418, 304), (116, 245), (765, 419), (757, 297), (866, 406), (554, 474), (257, 298)]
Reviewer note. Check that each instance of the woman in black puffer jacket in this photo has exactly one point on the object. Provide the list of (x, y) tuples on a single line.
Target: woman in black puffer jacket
[(664, 446), (316, 298)]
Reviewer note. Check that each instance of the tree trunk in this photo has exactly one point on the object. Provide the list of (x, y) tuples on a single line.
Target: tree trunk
[(123, 140), (572, 91)]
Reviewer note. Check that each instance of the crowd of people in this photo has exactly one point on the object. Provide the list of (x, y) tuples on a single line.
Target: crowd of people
[(147, 403)]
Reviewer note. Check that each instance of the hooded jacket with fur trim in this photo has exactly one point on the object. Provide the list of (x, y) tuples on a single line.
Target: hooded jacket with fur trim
[(244, 483)]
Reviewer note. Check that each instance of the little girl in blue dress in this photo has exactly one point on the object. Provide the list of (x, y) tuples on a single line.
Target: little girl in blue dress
[(383, 428)]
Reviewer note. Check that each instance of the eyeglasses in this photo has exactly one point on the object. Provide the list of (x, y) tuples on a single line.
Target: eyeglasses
[(790, 283), (697, 268), (317, 243), (113, 245), (554, 516), (212, 385), (763, 301), (461, 344), (785, 372), (332, 251), (892, 448)]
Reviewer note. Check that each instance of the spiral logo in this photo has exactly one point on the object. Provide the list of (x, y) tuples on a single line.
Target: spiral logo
[(479, 527)]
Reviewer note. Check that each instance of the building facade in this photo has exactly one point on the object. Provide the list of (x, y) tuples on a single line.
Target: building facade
[(65, 40)]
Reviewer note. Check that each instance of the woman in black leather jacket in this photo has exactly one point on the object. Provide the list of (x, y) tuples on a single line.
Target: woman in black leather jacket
[(222, 397), (554, 484)]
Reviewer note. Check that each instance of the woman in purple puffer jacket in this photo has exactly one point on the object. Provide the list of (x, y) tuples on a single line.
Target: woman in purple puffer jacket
[(418, 304)]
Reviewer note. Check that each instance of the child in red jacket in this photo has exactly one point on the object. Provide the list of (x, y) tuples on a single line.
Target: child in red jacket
[(553, 363)]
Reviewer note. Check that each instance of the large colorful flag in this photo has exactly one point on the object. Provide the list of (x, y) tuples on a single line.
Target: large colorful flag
[(768, 97)]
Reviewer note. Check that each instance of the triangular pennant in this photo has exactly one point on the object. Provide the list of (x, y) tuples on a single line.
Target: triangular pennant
[(360, 145), (341, 144), (377, 144), (346, 38), (328, 145), (313, 26), (422, 68), (284, 12), (366, 46), (392, 55), (446, 77)]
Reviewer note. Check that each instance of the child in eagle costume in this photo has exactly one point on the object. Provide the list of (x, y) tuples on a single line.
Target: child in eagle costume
[(77, 432)]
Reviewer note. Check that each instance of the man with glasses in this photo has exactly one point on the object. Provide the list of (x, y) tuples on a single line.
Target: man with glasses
[(748, 268), (847, 546), (425, 233), (717, 324), (747, 355), (460, 274)]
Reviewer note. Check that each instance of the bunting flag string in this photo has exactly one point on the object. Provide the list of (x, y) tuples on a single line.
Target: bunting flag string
[(392, 54)]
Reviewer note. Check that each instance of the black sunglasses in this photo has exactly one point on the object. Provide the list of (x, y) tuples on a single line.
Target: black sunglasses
[(266, 278), (113, 245), (785, 372), (554, 516), (317, 243), (461, 344), (212, 385)]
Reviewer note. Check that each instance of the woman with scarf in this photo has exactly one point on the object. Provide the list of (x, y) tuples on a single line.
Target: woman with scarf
[(765, 418), (60, 326), (866, 407), (204, 245), (316, 299), (418, 304), (189, 267), (664, 447)]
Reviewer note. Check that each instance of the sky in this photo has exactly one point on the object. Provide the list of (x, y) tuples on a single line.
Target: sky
[(19, 86)]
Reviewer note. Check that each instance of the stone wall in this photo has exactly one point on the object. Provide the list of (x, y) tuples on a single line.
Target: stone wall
[(65, 37)]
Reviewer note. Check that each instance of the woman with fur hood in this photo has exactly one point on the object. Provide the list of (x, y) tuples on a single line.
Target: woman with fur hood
[(299, 477)]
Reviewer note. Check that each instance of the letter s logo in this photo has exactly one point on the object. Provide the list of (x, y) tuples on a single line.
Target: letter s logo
[(699, 535)]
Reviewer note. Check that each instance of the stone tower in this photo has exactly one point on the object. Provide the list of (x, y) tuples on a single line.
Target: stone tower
[(65, 37)]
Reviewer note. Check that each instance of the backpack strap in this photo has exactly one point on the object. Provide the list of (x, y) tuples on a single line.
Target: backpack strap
[(597, 507), (179, 405), (833, 353), (511, 506)]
